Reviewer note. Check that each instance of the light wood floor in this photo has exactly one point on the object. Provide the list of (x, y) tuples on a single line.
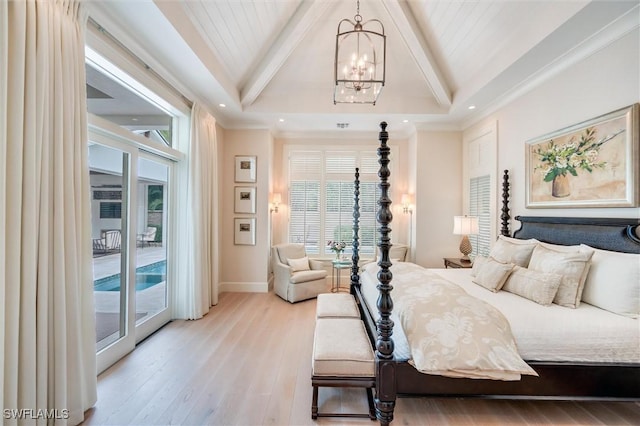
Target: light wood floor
[(248, 362)]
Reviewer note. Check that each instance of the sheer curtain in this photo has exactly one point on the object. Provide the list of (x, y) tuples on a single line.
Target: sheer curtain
[(198, 275), (47, 320)]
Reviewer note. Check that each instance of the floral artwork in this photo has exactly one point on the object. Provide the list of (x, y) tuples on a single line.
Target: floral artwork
[(593, 164), (558, 160)]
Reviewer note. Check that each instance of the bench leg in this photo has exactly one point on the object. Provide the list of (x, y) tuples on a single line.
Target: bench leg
[(314, 403), (370, 401), (372, 407)]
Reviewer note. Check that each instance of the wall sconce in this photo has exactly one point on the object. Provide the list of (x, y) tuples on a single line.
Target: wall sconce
[(465, 226), (406, 208), (276, 199), (406, 204)]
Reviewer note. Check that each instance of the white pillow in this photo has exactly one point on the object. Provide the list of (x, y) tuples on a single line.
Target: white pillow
[(478, 263), (613, 282), (513, 250), (541, 287), (493, 274), (572, 263), (301, 264)]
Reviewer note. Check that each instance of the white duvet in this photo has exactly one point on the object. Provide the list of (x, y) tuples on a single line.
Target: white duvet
[(542, 333)]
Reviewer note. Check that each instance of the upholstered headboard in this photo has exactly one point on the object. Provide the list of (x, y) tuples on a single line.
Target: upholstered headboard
[(615, 234)]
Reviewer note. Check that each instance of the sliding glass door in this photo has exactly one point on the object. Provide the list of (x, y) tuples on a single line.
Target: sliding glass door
[(152, 243), (109, 176), (131, 228)]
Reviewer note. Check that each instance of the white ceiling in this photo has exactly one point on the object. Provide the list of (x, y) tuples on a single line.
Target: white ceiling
[(272, 60)]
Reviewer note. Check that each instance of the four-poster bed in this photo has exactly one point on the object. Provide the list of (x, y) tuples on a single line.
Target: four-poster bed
[(396, 372)]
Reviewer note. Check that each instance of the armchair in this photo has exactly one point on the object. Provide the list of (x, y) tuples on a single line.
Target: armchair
[(294, 282)]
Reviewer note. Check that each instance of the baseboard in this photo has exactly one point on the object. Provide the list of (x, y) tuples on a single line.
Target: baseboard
[(243, 287)]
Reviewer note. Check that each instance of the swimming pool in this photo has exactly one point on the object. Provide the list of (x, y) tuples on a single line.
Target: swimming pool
[(146, 276)]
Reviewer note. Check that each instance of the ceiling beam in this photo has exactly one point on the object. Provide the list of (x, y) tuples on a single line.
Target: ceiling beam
[(307, 13), (179, 18), (412, 35)]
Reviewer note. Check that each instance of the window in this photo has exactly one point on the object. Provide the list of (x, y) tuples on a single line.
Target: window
[(110, 210), (479, 203), (321, 197)]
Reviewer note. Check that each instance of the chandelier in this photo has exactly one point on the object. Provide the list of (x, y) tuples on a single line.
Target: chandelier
[(360, 61)]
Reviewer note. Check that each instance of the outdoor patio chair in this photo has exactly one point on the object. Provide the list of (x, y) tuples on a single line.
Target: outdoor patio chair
[(112, 240), (149, 236)]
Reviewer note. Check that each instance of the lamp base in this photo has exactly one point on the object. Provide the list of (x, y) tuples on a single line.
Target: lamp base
[(465, 248)]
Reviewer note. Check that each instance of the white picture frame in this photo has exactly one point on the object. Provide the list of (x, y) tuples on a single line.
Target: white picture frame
[(245, 199), (244, 232), (245, 168)]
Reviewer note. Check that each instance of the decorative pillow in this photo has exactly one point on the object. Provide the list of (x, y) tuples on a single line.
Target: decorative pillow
[(493, 274), (571, 264), (541, 287), (613, 282), (301, 264), (512, 250), (478, 263)]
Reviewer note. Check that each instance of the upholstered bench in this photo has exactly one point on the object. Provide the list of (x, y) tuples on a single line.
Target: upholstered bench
[(337, 305), (342, 357)]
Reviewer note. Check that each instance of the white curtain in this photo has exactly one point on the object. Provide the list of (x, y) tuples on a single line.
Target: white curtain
[(48, 364), (198, 275)]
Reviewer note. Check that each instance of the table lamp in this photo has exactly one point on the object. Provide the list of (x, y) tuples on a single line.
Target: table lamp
[(465, 226)]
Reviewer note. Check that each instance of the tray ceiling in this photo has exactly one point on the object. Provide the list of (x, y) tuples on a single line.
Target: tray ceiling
[(270, 61)]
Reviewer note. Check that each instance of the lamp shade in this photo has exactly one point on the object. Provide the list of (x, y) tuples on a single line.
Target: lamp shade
[(277, 198), (405, 200), (465, 225)]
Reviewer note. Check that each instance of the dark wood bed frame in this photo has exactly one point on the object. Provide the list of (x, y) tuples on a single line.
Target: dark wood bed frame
[(557, 380)]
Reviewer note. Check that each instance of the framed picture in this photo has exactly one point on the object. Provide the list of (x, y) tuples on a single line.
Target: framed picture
[(590, 164), (245, 168), (244, 231), (245, 199)]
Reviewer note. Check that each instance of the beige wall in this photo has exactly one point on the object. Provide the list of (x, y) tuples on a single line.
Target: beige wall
[(604, 82), (243, 267), (438, 185)]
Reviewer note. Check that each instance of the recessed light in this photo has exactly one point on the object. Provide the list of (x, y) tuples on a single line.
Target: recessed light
[(472, 107), (281, 120), (405, 121), (134, 119), (222, 105)]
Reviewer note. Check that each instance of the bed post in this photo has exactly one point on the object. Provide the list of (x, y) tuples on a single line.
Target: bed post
[(355, 257), (505, 205), (385, 367)]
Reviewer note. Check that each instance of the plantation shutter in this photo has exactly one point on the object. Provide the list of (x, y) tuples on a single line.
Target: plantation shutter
[(305, 173), (339, 174), (369, 195), (321, 198), (479, 203)]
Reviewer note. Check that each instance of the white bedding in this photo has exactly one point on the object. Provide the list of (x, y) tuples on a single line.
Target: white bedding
[(542, 333)]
